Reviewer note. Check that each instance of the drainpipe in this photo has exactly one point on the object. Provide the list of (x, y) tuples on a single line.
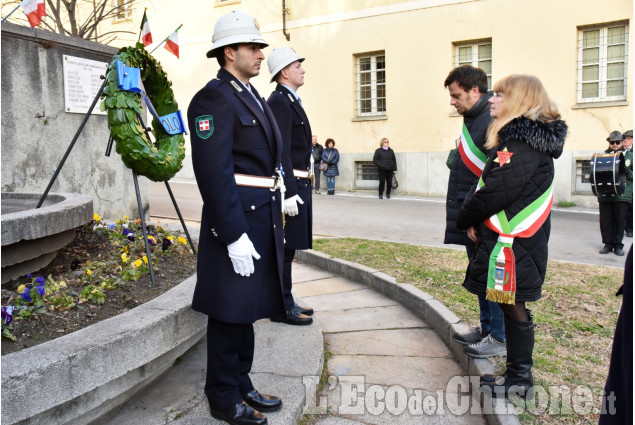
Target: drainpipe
[(284, 20)]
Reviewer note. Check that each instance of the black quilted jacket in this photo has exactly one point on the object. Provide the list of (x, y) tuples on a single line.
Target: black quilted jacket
[(511, 187), (462, 179)]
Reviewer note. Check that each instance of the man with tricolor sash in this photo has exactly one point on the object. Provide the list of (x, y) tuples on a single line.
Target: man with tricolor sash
[(467, 86)]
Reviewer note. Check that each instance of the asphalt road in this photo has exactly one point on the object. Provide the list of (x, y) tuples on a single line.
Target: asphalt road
[(575, 233)]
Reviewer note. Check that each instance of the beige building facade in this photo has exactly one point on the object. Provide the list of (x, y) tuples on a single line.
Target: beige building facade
[(375, 68)]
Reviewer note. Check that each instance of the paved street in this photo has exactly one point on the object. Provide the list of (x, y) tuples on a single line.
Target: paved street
[(575, 234)]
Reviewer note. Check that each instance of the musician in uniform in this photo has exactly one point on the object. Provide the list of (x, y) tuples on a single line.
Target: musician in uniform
[(614, 208), (236, 154), (627, 144), (285, 67)]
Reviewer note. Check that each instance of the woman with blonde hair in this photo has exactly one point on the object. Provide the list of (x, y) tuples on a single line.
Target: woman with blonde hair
[(386, 163), (508, 217)]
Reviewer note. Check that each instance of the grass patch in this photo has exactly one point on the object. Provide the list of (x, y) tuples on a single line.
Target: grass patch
[(566, 204), (575, 317)]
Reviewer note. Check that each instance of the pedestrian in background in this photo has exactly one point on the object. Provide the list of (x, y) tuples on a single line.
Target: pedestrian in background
[(467, 87), (386, 163), (614, 208), (508, 217), (627, 144), (317, 160), (331, 157)]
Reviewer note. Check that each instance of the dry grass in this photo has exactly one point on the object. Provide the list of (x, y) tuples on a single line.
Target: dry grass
[(575, 317)]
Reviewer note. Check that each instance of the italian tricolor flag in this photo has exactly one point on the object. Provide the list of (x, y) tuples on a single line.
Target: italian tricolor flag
[(146, 35), (34, 10), (172, 43)]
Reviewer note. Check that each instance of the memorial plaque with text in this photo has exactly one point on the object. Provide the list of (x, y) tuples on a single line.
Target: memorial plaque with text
[(81, 84)]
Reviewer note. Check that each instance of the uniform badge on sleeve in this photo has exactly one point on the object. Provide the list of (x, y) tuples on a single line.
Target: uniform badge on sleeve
[(204, 126), (503, 157)]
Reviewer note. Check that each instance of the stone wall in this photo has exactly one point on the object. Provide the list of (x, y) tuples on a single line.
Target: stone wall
[(36, 131)]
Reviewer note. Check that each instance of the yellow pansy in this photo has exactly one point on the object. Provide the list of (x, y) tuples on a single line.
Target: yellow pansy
[(21, 288), (137, 263), (145, 259), (182, 240), (124, 257), (171, 238), (96, 217), (88, 272)]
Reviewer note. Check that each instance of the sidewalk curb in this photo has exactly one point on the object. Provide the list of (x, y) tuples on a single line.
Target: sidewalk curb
[(443, 321), (81, 376)]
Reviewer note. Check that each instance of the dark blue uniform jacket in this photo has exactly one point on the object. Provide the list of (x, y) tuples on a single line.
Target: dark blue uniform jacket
[(244, 139), (296, 137)]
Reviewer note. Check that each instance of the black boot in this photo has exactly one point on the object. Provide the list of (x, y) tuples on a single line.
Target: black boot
[(517, 379)]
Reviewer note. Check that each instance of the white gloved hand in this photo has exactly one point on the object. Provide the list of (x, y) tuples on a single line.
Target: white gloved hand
[(241, 253), (291, 205)]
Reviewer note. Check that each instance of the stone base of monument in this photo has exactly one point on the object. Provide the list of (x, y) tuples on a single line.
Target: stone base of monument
[(31, 237)]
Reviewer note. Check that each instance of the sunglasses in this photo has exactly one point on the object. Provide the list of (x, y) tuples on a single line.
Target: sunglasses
[(615, 142)]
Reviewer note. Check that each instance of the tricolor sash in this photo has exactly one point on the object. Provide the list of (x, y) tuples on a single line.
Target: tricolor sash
[(501, 276), (471, 155)]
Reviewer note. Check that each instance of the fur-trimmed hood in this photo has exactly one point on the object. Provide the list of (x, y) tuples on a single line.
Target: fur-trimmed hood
[(544, 137)]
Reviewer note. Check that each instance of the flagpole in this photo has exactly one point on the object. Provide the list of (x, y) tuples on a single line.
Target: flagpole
[(166, 38), (141, 29), (5, 18)]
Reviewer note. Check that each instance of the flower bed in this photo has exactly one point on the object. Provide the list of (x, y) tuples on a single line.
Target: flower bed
[(104, 272)]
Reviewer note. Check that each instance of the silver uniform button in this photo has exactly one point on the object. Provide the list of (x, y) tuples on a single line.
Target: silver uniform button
[(273, 198), (253, 122), (253, 207), (274, 226)]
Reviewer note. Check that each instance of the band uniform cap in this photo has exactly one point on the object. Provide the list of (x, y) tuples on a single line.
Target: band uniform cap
[(236, 27), (628, 133), (279, 58), (615, 136)]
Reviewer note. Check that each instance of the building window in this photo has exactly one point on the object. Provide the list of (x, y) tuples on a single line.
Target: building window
[(366, 170), (371, 85), (122, 10), (477, 54), (582, 174), (602, 63)]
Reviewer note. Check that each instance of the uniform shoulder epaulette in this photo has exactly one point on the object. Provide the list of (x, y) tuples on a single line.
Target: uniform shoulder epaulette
[(235, 85), (291, 97)]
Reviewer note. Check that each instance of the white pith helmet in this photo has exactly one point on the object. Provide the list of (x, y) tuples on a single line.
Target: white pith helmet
[(279, 58), (235, 27)]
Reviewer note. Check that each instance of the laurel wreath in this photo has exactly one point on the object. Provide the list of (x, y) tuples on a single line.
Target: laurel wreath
[(159, 160)]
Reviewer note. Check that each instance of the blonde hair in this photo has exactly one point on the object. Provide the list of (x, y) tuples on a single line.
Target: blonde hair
[(381, 142), (524, 96)]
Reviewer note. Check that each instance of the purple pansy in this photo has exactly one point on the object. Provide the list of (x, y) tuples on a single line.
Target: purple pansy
[(130, 237), (39, 280), (166, 243), (125, 232), (26, 294), (6, 315)]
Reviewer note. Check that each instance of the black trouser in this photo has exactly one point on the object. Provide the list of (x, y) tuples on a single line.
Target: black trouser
[(385, 177), (286, 278), (612, 221), (230, 354), (316, 172), (629, 218)]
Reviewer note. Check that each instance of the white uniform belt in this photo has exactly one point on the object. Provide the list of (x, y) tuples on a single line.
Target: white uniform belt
[(255, 181), (300, 174)]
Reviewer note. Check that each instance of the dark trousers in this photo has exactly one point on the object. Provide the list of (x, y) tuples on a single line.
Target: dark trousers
[(230, 354), (629, 219), (612, 221), (316, 172), (491, 315), (385, 178), (286, 278)]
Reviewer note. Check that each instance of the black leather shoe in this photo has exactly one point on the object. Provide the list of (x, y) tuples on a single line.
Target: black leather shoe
[(307, 311), (388, 196), (619, 252), (606, 249), (263, 402), (240, 414), (294, 317)]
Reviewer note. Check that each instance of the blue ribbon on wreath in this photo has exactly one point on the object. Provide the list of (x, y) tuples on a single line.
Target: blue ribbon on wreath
[(129, 79)]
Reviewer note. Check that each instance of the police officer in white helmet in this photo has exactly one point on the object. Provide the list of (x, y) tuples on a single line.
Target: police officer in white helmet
[(285, 67), (237, 154)]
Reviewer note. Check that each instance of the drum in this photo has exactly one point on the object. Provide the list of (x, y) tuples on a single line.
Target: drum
[(607, 176)]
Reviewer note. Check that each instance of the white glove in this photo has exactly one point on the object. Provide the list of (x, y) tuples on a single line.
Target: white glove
[(291, 205), (240, 252)]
